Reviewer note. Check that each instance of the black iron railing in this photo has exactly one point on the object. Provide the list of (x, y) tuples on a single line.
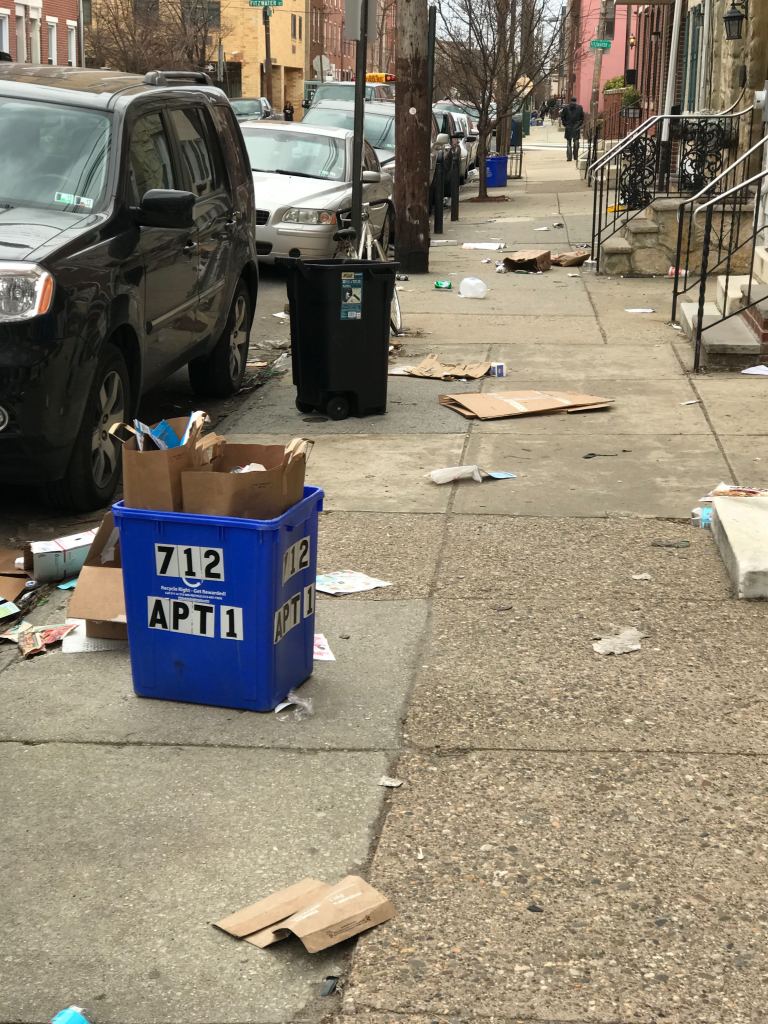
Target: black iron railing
[(669, 155)]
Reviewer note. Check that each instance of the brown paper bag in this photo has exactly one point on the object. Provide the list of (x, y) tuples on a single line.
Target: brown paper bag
[(570, 259), (529, 259)]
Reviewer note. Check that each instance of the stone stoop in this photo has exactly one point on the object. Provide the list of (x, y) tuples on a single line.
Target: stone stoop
[(740, 531)]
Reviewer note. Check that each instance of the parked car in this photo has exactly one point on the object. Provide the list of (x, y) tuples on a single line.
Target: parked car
[(461, 144), (380, 92), (378, 128), (303, 180), (257, 107), (127, 250)]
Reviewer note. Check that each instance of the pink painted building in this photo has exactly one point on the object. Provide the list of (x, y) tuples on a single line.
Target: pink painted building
[(583, 17)]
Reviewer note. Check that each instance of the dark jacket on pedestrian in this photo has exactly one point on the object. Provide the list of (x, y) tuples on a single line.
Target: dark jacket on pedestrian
[(572, 118), (288, 111)]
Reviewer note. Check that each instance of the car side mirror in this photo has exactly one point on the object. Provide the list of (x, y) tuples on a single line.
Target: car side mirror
[(443, 139), (371, 177), (166, 208)]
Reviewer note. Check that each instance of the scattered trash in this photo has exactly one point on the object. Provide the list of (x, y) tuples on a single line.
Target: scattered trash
[(281, 316), (558, 224), (389, 783), (486, 261), (472, 288), (402, 277), (756, 371), (80, 642), (68, 584), (32, 639), (451, 473), (419, 854), (676, 272), (437, 243), (50, 560), (252, 467), (724, 490), (529, 259), (99, 598), (574, 258), (322, 650), (623, 640), (491, 246), (502, 404), (574, 275), (535, 908), (616, 208), (9, 610), (701, 516), (498, 370), (600, 455), (641, 576), (330, 985), (319, 915), (590, 265), (693, 401), (72, 1015), (639, 309), (347, 582), (431, 368), (541, 229), (302, 707), (670, 543), (676, 327), (444, 286)]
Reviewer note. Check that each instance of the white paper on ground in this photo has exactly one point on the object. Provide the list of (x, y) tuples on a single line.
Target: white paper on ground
[(757, 371), (693, 401), (77, 642), (390, 783), (322, 650), (347, 581), (640, 309), (621, 641), (491, 246), (451, 473)]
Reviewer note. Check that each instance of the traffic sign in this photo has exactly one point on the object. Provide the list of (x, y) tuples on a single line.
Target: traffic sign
[(594, 44), (265, 3)]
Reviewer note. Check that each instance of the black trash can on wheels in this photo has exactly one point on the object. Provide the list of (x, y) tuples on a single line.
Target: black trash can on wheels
[(340, 322)]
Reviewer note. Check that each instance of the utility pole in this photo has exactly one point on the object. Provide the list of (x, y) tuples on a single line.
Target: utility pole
[(267, 11), (357, 142), (413, 115), (594, 103)]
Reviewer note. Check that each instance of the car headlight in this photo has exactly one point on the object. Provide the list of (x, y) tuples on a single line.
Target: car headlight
[(26, 291), (297, 215)]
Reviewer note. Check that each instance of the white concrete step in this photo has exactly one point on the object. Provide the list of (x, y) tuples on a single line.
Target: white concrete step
[(740, 529), (729, 338), (761, 263), (733, 300), (688, 313)]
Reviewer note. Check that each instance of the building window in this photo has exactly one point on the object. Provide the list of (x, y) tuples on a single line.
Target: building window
[(293, 26), (21, 39), (72, 45), (34, 40), (87, 10), (610, 20), (5, 40), (300, 26), (52, 57)]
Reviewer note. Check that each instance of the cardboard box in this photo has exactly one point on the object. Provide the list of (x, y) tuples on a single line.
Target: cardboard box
[(49, 561), (433, 369), (214, 490), (319, 915), (152, 479), (98, 596), (497, 405)]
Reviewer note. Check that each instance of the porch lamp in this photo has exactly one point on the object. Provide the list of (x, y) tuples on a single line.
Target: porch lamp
[(632, 41), (734, 18)]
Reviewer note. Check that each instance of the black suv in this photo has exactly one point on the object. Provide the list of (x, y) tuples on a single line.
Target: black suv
[(127, 249)]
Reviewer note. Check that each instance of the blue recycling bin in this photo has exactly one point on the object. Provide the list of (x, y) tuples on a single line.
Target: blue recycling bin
[(496, 171), (220, 610)]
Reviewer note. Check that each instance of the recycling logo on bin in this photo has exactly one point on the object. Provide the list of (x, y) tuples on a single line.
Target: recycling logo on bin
[(351, 296), (196, 608)]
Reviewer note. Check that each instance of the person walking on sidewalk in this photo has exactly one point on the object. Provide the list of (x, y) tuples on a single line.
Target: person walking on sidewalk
[(572, 119), (288, 111)]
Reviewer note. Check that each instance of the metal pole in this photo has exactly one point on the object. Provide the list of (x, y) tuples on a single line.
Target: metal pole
[(267, 56), (454, 176), (357, 142), (432, 29), (701, 93), (594, 101), (81, 32), (672, 70), (438, 193)]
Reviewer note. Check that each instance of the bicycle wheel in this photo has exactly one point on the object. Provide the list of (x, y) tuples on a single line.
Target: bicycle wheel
[(395, 312)]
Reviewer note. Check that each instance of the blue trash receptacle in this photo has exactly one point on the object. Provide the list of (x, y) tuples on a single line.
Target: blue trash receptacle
[(220, 610), (496, 171)]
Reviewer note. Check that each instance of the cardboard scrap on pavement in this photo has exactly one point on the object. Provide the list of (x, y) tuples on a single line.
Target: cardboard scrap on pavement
[(432, 368), (499, 405), (570, 259), (318, 914), (98, 596), (529, 259)]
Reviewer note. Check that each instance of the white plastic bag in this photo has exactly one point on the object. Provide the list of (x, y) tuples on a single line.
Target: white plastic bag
[(473, 288)]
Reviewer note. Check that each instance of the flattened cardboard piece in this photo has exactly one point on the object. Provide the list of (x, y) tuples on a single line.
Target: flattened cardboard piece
[(275, 908), (433, 369), (152, 479), (8, 565), (503, 404), (12, 587), (98, 596), (570, 259), (262, 494), (348, 908), (529, 259), (49, 561)]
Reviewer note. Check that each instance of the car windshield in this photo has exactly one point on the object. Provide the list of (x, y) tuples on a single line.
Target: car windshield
[(247, 108), (378, 129), (55, 157), (286, 152), (334, 91)]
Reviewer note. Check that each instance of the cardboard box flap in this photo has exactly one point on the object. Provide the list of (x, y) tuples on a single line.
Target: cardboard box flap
[(502, 404), (348, 908), (8, 565), (273, 909), (98, 595), (12, 587)]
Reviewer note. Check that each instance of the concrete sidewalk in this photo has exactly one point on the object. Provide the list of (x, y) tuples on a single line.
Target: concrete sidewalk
[(579, 839)]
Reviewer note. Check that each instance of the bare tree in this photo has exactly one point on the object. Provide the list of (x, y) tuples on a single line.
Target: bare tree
[(141, 35), (494, 52)]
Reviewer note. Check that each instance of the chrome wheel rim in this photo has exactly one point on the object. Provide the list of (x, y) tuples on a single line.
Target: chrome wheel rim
[(105, 448), (238, 338)]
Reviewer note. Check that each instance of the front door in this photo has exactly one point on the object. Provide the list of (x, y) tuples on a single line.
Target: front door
[(168, 257)]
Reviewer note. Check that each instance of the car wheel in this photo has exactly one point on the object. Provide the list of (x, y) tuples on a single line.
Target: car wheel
[(220, 373), (94, 467)]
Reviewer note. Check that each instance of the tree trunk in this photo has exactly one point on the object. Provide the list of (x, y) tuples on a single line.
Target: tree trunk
[(482, 152), (413, 123)]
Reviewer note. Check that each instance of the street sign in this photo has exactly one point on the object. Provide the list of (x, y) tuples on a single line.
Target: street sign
[(594, 44), (265, 3)]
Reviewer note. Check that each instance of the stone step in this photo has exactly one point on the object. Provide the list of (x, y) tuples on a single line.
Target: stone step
[(688, 313), (729, 297), (740, 530), (616, 256), (726, 344), (760, 269)]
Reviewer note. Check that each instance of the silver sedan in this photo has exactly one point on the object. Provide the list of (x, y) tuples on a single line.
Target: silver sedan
[(302, 176)]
